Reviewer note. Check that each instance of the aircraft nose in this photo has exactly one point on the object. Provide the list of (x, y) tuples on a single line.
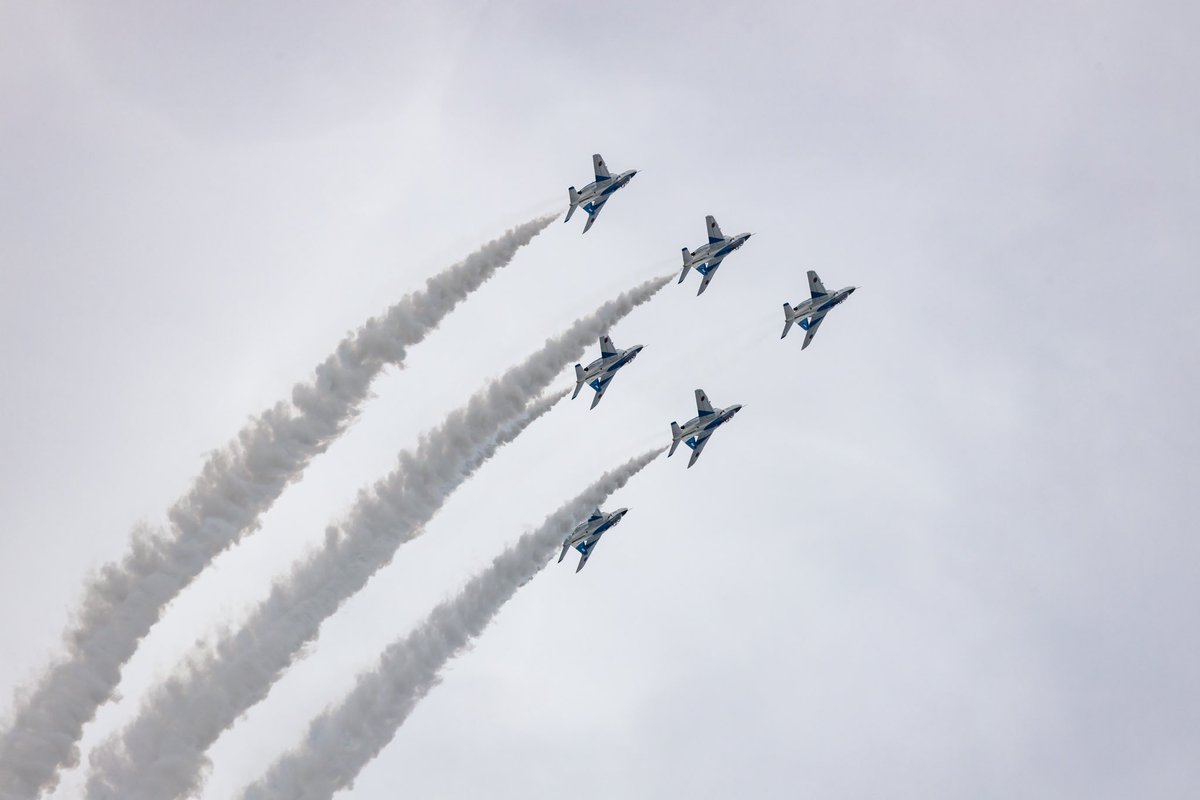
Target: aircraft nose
[(852, 290)]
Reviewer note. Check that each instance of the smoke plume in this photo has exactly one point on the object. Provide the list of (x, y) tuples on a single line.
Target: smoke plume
[(161, 754), (237, 485), (344, 739)]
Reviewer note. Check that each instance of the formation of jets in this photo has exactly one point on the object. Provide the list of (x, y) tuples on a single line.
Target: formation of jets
[(706, 259)]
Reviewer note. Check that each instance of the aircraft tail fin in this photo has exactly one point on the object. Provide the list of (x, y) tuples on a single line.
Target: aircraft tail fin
[(788, 319), (687, 264), (676, 436), (579, 377), (574, 198), (563, 554)]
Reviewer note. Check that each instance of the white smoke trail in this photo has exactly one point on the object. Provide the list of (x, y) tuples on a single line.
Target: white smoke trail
[(344, 739), (161, 754), (236, 486)]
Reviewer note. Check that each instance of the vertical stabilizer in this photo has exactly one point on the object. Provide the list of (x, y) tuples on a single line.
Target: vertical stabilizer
[(687, 264), (579, 378), (573, 196), (676, 436)]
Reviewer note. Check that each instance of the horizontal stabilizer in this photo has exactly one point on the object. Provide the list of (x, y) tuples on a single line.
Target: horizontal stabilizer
[(788, 319), (676, 435)]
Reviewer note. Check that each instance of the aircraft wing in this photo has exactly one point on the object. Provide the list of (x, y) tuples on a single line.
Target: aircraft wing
[(714, 230), (709, 270), (593, 211), (703, 407), (601, 169), (601, 386), (815, 286), (585, 549), (607, 348), (814, 322), (698, 446)]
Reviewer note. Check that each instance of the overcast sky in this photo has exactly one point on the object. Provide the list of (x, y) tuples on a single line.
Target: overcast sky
[(947, 551)]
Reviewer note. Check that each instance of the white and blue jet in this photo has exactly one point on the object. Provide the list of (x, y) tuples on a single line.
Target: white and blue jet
[(698, 430), (587, 533), (810, 312), (709, 256), (599, 373), (596, 194)]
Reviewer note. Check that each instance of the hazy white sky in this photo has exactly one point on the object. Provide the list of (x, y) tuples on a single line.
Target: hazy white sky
[(949, 550)]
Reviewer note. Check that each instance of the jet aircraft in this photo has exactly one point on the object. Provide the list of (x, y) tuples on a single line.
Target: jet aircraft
[(810, 312), (585, 535), (600, 372), (709, 256), (699, 429), (596, 194)]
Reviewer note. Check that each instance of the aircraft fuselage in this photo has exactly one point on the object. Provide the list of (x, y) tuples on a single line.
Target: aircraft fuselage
[(816, 305), (719, 249), (708, 422), (597, 189), (606, 365)]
